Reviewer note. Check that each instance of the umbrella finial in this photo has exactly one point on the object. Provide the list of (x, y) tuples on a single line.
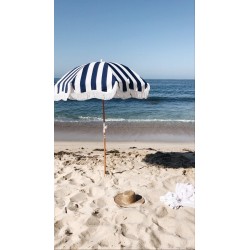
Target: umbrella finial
[(101, 60)]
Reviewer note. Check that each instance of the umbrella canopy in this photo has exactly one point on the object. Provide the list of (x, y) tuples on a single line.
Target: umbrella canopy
[(101, 80)]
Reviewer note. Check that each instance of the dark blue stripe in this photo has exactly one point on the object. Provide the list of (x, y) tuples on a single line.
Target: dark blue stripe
[(131, 85), (73, 75), (115, 70), (124, 86), (63, 85), (65, 78), (58, 88), (137, 80), (73, 83), (60, 80), (94, 75), (104, 77), (146, 85), (113, 80), (83, 78), (67, 85), (66, 88)]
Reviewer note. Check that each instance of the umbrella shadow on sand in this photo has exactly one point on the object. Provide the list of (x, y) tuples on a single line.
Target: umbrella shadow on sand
[(171, 159)]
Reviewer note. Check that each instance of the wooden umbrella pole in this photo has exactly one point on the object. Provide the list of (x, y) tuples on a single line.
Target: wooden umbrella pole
[(104, 135)]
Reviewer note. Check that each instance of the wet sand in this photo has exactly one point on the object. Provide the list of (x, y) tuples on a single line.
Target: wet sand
[(126, 131)]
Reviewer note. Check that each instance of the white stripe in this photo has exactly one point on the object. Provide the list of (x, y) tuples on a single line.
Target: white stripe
[(132, 78), (89, 75), (77, 81), (109, 80), (116, 76), (139, 78), (122, 75), (69, 76), (60, 88), (63, 77), (119, 81), (75, 73), (99, 77), (69, 80)]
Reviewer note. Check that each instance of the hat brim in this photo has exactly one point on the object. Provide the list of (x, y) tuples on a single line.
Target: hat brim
[(119, 201)]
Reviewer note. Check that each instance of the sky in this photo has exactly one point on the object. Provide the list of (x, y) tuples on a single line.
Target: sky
[(155, 38)]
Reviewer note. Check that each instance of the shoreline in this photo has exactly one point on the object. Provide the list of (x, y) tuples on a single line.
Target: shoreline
[(125, 131)]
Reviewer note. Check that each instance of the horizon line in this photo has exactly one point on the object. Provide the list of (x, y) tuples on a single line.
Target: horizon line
[(158, 78)]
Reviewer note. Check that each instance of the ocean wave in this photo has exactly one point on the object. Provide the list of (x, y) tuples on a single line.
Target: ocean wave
[(97, 119), (170, 99)]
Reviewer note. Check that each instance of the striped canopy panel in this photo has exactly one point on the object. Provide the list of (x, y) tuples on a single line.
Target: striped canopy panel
[(101, 80)]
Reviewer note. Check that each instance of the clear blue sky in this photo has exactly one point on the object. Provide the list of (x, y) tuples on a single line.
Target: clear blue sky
[(154, 38)]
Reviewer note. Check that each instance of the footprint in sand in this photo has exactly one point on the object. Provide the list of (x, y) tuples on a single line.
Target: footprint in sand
[(72, 206), (76, 245), (130, 216), (98, 203), (59, 181), (128, 231), (61, 243), (59, 202), (96, 213), (149, 237), (167, 223), (58, 226), (59, 172), (123, 229), (155, 240), (73, 181), (186, 231), (61, 193), (103, 243), (97, 192), (67, 176), (85, 235), (115, 181), (101, 203), (161, 212), (93, 221), (79, 197)]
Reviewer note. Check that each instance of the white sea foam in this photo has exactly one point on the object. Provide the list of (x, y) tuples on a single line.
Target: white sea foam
[(95, 119)]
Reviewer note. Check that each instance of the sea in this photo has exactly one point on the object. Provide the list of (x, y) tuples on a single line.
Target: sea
[(169, 108)]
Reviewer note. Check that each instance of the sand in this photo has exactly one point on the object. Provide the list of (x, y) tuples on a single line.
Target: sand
[(86, 216), (123, 131)]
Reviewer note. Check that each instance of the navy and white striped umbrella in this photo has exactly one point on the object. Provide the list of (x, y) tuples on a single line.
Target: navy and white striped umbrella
[(101, 80)]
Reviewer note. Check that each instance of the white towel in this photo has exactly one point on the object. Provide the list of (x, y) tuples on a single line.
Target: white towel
[(184, 196)]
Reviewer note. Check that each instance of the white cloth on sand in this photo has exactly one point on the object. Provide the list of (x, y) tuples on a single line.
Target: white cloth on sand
[(184, 196)]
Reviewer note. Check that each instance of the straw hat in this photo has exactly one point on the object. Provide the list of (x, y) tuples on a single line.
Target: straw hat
[(128, 199)]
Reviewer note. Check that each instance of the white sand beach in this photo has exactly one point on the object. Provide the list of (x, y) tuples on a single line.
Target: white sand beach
[(86, 216)]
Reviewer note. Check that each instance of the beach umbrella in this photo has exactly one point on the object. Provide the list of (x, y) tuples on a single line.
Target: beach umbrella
[(101, 80)]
